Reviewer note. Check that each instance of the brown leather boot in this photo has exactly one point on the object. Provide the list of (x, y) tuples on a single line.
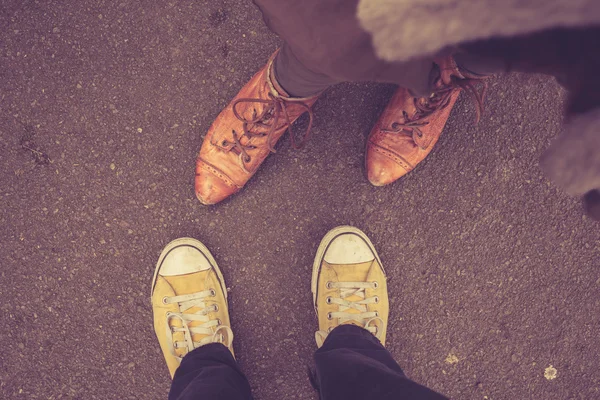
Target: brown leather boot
[(244, 134), (409, 127)]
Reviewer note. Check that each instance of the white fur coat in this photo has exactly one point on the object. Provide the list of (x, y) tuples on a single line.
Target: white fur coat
[(406, 29)]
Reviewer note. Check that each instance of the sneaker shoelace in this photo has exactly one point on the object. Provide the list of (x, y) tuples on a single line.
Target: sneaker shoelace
[(368, 320), (212, 329), (439, 100), (274, 113)]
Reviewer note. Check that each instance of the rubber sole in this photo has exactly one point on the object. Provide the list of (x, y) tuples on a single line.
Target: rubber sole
[(200, 247)]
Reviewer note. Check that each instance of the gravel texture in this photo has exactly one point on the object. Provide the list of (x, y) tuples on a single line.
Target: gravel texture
[(494, 273)]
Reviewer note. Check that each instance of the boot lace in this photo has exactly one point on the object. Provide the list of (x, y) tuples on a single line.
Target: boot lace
[(273, 117), (212, 329), (439, 100), (368, 320)]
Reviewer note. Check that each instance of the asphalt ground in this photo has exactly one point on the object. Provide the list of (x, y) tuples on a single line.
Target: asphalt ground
[(494, 272)]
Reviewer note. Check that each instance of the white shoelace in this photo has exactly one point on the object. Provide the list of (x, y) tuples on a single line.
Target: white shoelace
[(369, 320), (214, 331)]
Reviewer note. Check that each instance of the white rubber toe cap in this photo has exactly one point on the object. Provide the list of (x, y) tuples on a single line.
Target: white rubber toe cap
[(348, 248), (182, 260)]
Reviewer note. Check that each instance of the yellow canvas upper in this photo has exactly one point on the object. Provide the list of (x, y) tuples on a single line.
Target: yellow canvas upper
[(166, 287), (349, 293)]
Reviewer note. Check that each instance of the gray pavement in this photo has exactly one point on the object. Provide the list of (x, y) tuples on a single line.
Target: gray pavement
[(494, 272)]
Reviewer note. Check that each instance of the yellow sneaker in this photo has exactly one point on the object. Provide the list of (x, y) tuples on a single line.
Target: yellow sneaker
[(349, 284), (189, 301)]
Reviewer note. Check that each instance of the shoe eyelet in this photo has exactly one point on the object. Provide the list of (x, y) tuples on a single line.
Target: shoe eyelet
[(377, 313), (224, 143), (216, 308), (328, 285), (164, 300), (328, 300), (247, 159), (219, 323), (329, 316), (375, 284), (376, 299), (213, 293), (420, 134), (395, 125)]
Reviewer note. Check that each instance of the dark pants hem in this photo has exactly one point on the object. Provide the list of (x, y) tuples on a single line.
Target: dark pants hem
[(209, 373), (351, 365)]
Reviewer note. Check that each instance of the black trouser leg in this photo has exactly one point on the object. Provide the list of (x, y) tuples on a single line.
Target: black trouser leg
[(352, 364), (209, 373), (296, 78)]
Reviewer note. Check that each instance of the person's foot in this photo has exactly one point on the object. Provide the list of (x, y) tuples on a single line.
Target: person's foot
[(409, 127), (349, 284), (245, 133), (189, 301)]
